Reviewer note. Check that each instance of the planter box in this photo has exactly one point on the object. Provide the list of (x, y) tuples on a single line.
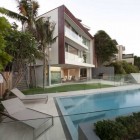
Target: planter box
[(85, 132)]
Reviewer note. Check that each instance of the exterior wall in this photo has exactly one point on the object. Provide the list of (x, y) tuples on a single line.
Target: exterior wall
[(77, 73), (121, 49), (89, 73), (54, 53), (61, 50), (124, 57), (94, 54), (91, 49), (39, 75)]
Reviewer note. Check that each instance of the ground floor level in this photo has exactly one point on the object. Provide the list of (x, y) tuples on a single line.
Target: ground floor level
[(58, 74)]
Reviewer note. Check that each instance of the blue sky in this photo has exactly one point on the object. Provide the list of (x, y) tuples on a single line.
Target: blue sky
[(119, 18)]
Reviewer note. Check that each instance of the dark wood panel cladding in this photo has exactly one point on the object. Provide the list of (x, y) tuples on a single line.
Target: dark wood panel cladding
[(94, 54), (77, 22), (61, 35)]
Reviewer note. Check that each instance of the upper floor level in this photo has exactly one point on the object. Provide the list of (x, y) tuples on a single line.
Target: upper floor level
[(69, 30)]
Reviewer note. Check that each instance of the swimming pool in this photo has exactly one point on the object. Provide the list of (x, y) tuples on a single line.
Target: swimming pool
[(94, 107)]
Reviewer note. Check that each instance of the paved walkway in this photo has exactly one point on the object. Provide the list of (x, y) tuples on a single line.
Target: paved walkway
[(56, 132)]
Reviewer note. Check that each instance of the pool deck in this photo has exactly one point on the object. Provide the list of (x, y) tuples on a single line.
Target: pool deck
[(57, 132)]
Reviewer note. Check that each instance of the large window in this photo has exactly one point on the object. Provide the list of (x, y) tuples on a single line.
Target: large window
[(67, 24), (66, 47), (70, 49), (83, 72), (73, 50), (86, 41)]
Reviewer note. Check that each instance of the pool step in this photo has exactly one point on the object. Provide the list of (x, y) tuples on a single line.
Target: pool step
[(86, 117), (68, 102)]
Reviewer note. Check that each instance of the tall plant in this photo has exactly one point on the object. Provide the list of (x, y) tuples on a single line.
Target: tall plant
[(4, 56), (28, 10), (22, 47), (45, 30), (105, 47)]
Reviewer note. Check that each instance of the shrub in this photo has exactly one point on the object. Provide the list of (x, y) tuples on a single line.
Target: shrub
[(110, 130), (122, 128), (118, 68), (122, 67)]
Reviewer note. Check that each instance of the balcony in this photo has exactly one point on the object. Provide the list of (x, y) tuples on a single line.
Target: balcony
[(73, 58), (72, 36), (76, 60)]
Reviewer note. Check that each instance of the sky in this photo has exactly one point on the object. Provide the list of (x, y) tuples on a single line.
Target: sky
[(118, 18)]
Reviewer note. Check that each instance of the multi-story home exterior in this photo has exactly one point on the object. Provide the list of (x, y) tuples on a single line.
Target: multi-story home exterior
[(120, 56), (72, 55)]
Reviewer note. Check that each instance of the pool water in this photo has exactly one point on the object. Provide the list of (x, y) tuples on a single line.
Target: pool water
[(94, 107)]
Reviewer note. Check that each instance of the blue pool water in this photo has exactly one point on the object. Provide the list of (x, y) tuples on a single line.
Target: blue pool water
[(94, 107)]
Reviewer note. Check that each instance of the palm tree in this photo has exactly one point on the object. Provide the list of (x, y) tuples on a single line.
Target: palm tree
[(45, 30), (28, 10)]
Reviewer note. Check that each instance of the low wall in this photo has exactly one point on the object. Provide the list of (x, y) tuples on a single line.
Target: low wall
[(86, 132), (136, 77), (102, 70)]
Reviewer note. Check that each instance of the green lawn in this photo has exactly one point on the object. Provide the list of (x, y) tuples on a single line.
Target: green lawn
[(65, 88)]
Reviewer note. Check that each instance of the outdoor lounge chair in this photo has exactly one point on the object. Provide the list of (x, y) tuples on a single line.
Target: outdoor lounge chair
[(39, 121), (21, 96)]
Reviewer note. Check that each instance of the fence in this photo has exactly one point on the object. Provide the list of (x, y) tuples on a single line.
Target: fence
[(5, 84)]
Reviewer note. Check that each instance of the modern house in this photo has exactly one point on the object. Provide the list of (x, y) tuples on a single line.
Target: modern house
[(120, 56), (72, 55)]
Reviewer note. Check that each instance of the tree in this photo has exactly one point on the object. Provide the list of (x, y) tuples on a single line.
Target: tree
[(105, 47), (137, 61), (28, 10), (22, 47), (4, 56), (45, 30)]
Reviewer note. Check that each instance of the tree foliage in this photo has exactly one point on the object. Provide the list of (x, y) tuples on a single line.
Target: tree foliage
[(22, 47), (137, 61), (4, 56), (28, 10), (105, 47), (42, 31), (122, 67)]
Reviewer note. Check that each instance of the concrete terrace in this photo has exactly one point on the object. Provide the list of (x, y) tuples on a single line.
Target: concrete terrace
[(20, 131)]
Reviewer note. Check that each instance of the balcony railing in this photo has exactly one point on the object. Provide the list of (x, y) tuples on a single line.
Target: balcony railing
[(70, 34), (73, 58)]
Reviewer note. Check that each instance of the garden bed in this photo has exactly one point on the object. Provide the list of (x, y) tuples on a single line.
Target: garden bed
[(122, 128)]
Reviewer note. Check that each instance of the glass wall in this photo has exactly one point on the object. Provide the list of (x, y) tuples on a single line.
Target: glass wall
[(71, 49)]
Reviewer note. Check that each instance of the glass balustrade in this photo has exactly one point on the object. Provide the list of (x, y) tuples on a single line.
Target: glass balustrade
[(69, 33)]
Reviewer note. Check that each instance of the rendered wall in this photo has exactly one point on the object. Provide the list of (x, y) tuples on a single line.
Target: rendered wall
[(104, 70)]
